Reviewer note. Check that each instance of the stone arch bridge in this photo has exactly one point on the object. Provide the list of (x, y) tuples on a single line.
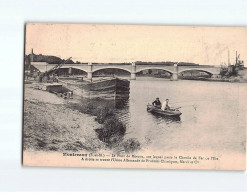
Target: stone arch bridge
[(132, 68)]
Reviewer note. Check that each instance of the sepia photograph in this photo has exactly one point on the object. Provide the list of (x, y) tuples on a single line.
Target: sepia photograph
[(135, 96)]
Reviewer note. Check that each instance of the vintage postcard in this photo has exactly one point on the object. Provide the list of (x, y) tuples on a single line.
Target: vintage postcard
[(135, 96)]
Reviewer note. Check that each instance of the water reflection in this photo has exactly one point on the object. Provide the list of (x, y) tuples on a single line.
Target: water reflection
[(121, 103)]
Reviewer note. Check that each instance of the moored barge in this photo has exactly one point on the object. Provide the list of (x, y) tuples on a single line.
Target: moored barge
[(106, 88)]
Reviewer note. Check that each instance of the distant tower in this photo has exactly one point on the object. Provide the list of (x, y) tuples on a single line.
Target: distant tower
[(31, 58)]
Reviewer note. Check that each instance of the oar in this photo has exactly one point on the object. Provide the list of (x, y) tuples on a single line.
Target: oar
[(194, 106)]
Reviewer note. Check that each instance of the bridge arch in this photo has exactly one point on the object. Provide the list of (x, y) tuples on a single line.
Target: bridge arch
[(154, 68), (68, 70), (111, 67), (193, 69), (75, 67)]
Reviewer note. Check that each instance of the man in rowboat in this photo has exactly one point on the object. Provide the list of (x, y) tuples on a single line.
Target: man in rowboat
[(157, 103), (165, 105)]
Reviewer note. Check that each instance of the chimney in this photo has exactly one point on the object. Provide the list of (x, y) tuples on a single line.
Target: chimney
[(229, 63)]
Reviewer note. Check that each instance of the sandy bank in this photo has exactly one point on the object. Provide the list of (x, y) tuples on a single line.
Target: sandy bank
[(50, 126), (35, 95)]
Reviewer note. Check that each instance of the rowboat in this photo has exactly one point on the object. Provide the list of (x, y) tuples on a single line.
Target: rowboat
[(171, 112)]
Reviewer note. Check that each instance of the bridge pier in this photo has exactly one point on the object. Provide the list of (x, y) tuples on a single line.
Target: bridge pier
[(175, 73), (90, 71), (70, 70), (90, 75), (133, 71), (133, 76)]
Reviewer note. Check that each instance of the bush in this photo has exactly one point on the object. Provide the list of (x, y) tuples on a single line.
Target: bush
[(131, 145), (89, 109), (53, 148), (113, 130), (103, 114)]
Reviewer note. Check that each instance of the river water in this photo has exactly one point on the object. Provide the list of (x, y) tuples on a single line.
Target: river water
[(213, 115)]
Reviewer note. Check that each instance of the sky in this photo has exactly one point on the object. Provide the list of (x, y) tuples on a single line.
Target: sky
[(130, 43)]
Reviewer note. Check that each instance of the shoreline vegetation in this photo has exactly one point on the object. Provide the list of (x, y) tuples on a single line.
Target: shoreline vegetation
[(54, 124), (112, 129)]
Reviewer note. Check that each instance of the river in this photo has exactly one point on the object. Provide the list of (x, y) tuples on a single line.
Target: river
[(213, 115)]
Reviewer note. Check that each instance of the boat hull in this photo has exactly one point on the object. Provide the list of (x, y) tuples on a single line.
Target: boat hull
[(165, 113), (111, 88)]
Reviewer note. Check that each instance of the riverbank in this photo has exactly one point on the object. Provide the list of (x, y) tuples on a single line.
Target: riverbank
[(49, 125), (52, 123)]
